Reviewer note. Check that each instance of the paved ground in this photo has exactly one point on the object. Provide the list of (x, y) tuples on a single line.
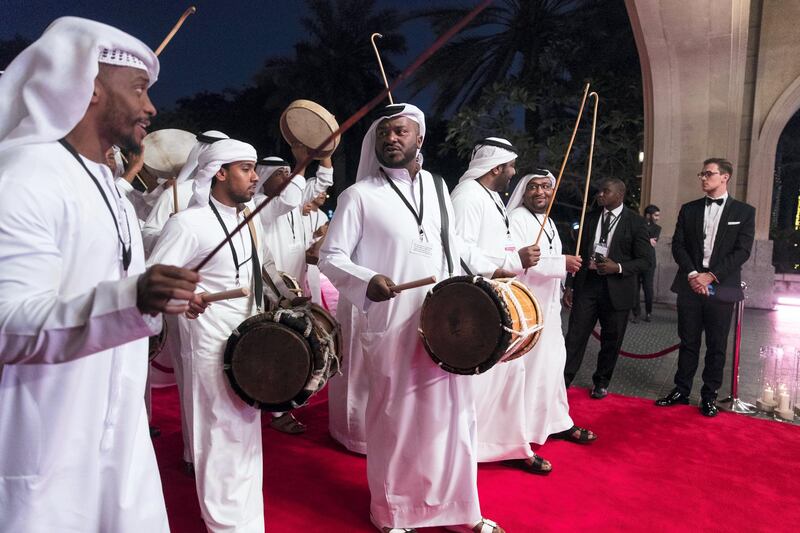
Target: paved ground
[(652, 378)]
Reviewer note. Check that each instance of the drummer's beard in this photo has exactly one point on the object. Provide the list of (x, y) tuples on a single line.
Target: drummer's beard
[(408, 156), (122, 127)]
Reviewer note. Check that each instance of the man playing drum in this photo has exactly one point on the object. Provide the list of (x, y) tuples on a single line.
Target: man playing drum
[(225, 431), (75, 299), (547, 409), (421, 462), (482, 221)]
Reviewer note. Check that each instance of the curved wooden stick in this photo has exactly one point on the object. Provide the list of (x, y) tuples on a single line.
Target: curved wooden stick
[(588, 172), (563, 164), (191, 10), (430, 280), (355, 117), (209, 297), (380, 63)]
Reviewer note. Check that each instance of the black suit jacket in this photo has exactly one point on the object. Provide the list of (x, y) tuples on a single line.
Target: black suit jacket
[(732, 246), (630, 247)]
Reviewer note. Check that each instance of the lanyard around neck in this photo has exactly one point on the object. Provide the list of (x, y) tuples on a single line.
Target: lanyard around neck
[(500, 209), (549, 223), (230, 242), (126, 248), (417, 216)]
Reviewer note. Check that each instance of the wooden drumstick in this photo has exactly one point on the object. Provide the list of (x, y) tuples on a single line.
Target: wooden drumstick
[(175, 29), (563, 164), (430, 280), (174, 196), (225, 295), (380, 64), (136, 176), (588, 173)]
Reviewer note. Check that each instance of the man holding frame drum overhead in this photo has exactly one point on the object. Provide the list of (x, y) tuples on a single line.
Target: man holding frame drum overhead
[(421, 461)]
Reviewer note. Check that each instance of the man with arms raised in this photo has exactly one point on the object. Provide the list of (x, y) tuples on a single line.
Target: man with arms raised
[(75, 300), (421, 462)]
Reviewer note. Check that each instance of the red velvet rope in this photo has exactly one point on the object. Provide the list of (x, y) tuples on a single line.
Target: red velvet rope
[(653, 355)]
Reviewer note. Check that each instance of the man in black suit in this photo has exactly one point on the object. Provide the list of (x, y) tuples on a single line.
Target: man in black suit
[(651, 215), (615, 248), (713, 238)]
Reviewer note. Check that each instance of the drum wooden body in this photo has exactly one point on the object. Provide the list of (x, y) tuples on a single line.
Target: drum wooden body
[(276, 361), (166, 151), (469, 324), (309, 124)]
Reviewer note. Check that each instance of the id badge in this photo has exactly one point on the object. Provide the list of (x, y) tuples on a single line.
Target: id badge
[(423, 248), (601, 249)]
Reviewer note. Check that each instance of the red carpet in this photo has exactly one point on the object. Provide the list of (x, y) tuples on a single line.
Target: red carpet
[(652, 469)]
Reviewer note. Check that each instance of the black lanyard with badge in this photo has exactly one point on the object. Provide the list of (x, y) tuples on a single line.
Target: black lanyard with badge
[(126, 248), (500, 209), (253, 256), (421, 246), (550, 224)]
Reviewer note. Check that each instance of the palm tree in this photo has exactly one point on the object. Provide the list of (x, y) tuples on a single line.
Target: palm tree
[(336, 67)]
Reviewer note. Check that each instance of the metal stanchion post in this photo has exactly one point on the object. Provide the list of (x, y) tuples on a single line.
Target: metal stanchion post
[(737, 405)]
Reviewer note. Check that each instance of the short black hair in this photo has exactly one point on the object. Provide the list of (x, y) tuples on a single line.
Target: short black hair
[(651, 209), (725, 166), (616, 183)]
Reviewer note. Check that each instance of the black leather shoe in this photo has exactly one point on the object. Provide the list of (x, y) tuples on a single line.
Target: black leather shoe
[(634, 319), (647, 317), (673, 398), (708, 407), (598, 393)]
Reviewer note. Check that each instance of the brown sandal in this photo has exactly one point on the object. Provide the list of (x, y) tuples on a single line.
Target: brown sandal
[(287, 423)]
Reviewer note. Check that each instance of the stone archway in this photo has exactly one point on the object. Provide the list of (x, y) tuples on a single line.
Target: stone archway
[(762, 159)]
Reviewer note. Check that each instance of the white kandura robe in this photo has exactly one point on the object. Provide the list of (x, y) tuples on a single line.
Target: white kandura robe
[(420, 420), (76, 453), (143, 202), (499, 392), (286, 237), (311, 223), (225, 431), (545, 392), (162, 210)]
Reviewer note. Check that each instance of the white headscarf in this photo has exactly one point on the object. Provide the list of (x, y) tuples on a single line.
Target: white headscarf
[(267, 167), (189, 169), (368, 164), (46, 90), (487, 156), (211, 160), (519, 190)]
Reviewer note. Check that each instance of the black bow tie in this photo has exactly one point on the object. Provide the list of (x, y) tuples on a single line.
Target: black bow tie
[(718, 201)]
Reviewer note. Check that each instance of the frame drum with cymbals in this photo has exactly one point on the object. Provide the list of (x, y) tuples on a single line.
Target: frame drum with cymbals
[(166, 151), (469, 323), (309, 124)]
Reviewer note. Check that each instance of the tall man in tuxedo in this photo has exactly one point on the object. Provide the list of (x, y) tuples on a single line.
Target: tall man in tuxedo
[(615, 249), (713, 238)]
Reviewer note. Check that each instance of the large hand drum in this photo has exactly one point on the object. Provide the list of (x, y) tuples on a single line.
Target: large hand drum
[(469, 324), (277, 360), (166, 151), (309, 124)]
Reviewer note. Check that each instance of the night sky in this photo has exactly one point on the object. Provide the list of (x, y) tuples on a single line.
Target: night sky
[(222, 45)]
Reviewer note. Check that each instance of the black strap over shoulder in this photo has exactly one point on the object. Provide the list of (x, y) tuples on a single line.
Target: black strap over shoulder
[(439, 181)]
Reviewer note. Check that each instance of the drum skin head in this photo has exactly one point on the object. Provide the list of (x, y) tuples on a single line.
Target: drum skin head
[(166, 151), (310, 124), (270, 364), (462, 325)]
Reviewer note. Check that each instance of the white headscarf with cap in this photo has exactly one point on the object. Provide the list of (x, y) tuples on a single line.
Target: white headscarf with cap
[(519, 190), (46, 90), (267, 167), (189, 169), (368, 165), (487, 156), (211, 160)]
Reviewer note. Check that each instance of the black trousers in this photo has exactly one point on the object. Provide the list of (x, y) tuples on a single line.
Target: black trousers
[(590, 304), (645, 282), (698, 314)]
